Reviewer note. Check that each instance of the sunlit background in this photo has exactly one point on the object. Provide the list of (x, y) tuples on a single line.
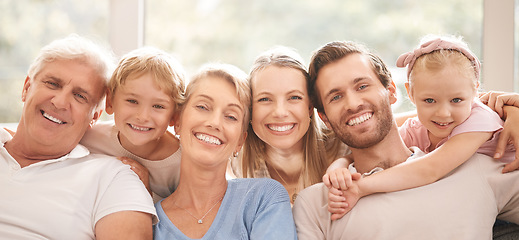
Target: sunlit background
[(235, 31)]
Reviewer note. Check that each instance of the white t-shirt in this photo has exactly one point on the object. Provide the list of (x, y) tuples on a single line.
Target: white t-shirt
[(164, 174), (64, 198), (462, 205)]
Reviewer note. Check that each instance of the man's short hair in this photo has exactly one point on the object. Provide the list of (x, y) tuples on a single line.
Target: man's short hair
[(75, 47), (335, 51)]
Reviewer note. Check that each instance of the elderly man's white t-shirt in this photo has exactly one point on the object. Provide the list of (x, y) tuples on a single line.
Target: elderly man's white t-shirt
[(64, 198)]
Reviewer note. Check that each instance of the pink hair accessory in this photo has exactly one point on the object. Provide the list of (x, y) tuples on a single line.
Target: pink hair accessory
[(408, 59)]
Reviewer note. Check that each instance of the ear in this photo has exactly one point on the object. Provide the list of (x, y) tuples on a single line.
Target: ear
[(109, 102), (97, 115), (477, 85), (241, 142), (392, 92), (173, 120), (325, 119), (25, 88), (409, 92)]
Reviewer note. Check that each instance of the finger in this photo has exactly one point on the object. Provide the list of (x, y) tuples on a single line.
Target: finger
[(334, 180), (326, 180), (335, 198), (346, 179), (356, 176), (502, 141), (498, 105), (336, 216), (510, 167), (337, 205)]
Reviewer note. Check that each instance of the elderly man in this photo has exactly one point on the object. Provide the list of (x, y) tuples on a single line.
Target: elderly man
[(352, 85), (53, 188)]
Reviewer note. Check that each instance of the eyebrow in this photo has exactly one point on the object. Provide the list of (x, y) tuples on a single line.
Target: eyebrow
[(77, 89), (228, 105), (335, 90)]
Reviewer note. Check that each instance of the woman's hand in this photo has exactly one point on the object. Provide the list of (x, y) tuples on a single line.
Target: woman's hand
[(140, 170)]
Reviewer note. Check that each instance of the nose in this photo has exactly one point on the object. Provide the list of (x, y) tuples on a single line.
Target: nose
[(443, 110), (61, 100), (281, 109), (143, 114), (214, 120), (352, 101)]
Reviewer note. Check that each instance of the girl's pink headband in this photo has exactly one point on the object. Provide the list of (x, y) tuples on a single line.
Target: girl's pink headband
[(438, 44)]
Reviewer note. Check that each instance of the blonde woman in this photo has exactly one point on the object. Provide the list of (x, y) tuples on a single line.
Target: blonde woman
[(212, 127), (286, 141)]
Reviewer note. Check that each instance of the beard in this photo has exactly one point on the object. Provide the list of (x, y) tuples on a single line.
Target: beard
[(365, 138)]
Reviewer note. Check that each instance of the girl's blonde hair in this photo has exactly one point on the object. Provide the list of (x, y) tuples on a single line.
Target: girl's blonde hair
[(438, 52), (166, 71), (316, 157)]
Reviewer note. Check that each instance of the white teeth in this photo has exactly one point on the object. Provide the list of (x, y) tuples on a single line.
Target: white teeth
[(208, 139), (362, 118), (442, 124), (139, 128), (47, 116), (281, 128)]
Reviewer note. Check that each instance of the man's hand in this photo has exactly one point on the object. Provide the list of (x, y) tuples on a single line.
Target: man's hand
[(510, 134), (497, 100)]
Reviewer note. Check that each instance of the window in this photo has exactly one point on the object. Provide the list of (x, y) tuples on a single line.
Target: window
[(26, 26), (236, 31)]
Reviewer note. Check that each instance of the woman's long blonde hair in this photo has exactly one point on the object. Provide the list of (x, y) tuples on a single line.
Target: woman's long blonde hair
[(317, 154)]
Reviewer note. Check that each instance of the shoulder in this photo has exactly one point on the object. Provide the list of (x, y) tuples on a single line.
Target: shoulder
[(98, 131), (260, 188), (316, 194)]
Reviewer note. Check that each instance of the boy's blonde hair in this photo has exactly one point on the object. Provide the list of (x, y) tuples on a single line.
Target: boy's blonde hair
[(167, 73), (230, 73)]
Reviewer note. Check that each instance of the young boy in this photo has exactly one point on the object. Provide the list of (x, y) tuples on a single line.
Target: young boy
[(144, 95)]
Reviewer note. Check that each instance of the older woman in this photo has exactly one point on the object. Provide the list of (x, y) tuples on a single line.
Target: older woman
[(212, 127)]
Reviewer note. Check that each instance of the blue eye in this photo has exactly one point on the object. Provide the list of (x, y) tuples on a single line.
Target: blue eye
[(295, 98), (363, 87), (132, 101), (80, 97), (201, 107), (51, 84), (335, 98), (456, 100), (429, 100), (233, 118), (263, 99)]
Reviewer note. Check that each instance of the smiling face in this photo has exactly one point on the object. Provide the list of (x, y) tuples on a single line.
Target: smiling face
[(211, 123), (357, 105), (142, 111), (443, 99), (59, 105), (280, 107)]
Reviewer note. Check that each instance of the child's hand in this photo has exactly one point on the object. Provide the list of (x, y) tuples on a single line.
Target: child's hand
[(496, 100), (339, 178), (140, 170), (510, 134), (350, 198), (339, 181)]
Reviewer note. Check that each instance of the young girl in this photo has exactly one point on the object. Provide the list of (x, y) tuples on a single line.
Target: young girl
[(452, 124), (144, 95)]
